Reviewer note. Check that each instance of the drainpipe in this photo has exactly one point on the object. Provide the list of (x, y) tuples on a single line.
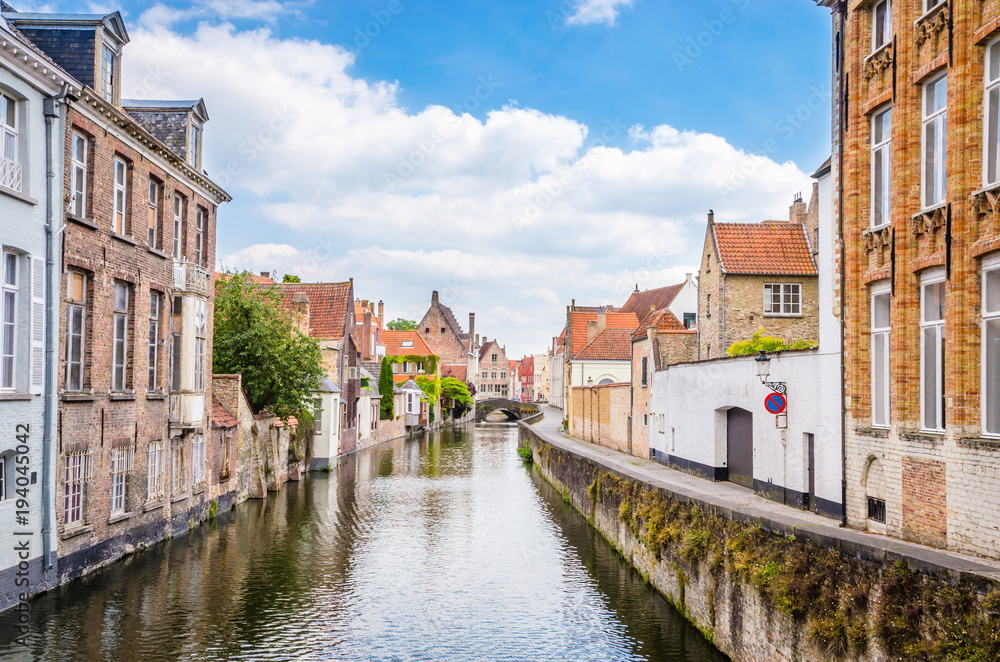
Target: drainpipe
[(52, 111), (842, 13), (723, 353)]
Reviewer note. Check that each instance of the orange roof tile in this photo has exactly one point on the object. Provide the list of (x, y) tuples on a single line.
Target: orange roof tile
[(222, 417), (641, 303), (456, 371), (608, 345), (768, 248), (393, 341), (578, 325), (328, 306)]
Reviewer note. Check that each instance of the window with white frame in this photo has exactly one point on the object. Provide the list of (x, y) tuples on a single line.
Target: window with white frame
[(931, 4), (119, 344), (200, 342), (153, 232), (881, 167), (154, 471), (10, 168), (178, 466), (199, 236), (121, 464), (178, 226), (79, 175), (9, 319), (881, 24), (76, 319), (318, 415), (880, 329), (935, 115), (991, 346), (155, 309), (195, 143), (75, 472), (108, 74), (991, 130), (782, 299), (932, 347), (121, 195), (198, 460)]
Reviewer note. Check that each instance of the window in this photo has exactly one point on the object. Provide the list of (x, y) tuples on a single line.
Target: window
[(782, 299), (932, 352), (76, 317), (690, 320), (486, 374), (78, 202), (876, 510), (178, 468), (121, 195), (119, 359), (645, 370), (708, 305), (935, 112), (494, 373), (154, 340), (108, 75), (931, 4), (494, 359), (407, 343), (343, 416), (880, 357), (199, 238), (406, 367), (9, 319), (76, 470), (121, 464), (991, 347), (882, 24), (155, 193), (10, 169), (881, 168), (154, 471), (195, 139), (225, 463), (991, 134), (318, 415), (503, 375), (178, 226), (175, 346), (200, 342), (198, 461)]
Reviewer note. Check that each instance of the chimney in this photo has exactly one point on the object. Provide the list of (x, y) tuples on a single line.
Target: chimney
[(434, 298), (602, 319), (591, 330), (472, 324), (797, 212), (265, 274), (477, 341), (300, 310), (688, 277), (711, 217), (573, 306), (381, 315)]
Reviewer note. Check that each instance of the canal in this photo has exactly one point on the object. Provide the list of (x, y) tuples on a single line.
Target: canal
[(444, 548)]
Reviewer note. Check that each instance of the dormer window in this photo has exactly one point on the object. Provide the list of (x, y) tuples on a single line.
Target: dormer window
[(108, 74), (195, 140)]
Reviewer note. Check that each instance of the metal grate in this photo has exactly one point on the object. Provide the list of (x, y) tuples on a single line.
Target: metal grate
[(876, 510), (10, 173)]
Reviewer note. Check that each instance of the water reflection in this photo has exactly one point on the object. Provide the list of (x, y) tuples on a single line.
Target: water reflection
[(444, 548)]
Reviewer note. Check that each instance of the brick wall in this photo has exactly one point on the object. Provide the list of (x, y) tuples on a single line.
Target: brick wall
[(436, 332), (601, 415)]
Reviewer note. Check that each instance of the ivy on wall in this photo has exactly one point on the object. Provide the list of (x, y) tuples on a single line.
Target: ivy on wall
[(430, 362)]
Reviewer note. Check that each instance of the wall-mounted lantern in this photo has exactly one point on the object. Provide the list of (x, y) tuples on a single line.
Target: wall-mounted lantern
[(764, 371)]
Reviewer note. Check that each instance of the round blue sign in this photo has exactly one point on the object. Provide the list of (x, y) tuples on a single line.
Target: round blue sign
[(775, 403)]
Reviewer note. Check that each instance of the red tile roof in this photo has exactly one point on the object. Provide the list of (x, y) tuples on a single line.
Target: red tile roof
[(641, 303), (328, 306), (393, 341), (768, 248), (222, 417), (578, 325), (456, 371), (663, 321), (608, 345)]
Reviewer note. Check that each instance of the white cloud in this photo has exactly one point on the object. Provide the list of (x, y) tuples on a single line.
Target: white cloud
[(597, 11), (522, 210)]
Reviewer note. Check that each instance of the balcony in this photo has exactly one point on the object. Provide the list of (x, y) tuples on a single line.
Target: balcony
[(190, 277), (187, 410), (10, 174)]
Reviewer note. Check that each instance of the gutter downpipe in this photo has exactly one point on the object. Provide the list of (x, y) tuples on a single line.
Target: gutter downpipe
[(52, 111), (842, 12)]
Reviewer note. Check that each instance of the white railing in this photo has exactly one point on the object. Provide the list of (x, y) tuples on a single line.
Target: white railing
[(10, 174), (190, 277)]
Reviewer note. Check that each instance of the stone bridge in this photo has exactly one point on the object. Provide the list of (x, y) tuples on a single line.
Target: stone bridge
[(514, 411)]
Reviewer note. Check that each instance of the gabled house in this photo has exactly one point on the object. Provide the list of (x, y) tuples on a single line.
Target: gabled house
[(415, 405), (369, 321), (457, 349), (411, 355), (494, 371), (680, 299), (757, 276)]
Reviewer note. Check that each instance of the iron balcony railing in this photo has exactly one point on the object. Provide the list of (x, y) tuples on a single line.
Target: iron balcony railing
[(190, 277), (10, 174)]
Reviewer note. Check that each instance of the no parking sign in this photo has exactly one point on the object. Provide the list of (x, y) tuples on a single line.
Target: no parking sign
[(775, 403)]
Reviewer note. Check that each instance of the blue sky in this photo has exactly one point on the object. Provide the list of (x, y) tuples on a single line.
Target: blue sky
[(513, 155)]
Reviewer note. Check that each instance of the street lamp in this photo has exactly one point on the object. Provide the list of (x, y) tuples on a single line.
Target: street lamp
[(764, 371)]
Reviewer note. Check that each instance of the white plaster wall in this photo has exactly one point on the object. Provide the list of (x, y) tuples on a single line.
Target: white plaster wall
[(694, 398), (829, 326), (364, 417), (686, 300), (617, 371), (556, 381), (325, 443)]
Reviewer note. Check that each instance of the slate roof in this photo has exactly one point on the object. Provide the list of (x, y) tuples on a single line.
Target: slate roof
[(641, 303), (578, 325), (771, 248), (608, 345), (393, 341), (326, 385), (222, 418), (328, 304)]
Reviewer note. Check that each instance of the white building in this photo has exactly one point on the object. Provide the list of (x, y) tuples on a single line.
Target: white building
[(326, 410)]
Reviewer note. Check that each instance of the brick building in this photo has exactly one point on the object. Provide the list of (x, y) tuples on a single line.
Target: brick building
[(494, 371), (458, 350), (136, 457), (369, 321), (526, 379), (757, 276), (916, 156)]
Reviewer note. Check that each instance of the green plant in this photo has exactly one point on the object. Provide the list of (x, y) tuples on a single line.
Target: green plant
[(400, 324), (300, 447), (525, 453), (456, 392), (760, 343), (386, 388), (289, 278)]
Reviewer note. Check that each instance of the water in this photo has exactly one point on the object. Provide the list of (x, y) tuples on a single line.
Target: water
[(440, 549)]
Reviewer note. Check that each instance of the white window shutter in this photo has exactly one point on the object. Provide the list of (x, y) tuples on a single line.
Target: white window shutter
[(37, 324)]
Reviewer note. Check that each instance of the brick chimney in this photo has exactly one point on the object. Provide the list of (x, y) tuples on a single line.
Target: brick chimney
[(300, 310), (602, 319), (711, 217), (797, 212), (472, 324), (265, 274), (381, 315), (434, 298)]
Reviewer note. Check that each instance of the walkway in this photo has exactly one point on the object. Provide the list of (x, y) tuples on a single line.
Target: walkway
[(742, 504)]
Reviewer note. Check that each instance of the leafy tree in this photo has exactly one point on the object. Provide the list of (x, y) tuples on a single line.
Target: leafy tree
[(759, 342), (289, 278), (457, 392), (254, 338), (400, 324), (385, 389)]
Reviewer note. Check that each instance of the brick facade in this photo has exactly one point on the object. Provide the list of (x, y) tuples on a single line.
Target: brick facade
[(494, 374), (601, 415)]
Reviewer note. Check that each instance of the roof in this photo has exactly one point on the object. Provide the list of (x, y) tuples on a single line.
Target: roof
[(112, 22), (364, 373), (608, 345), (196, 105), (663, 321), (641, 303), (452, 322), (222, 417), (395, 343), (411, 385), (771, 248), (457, 371), (328, 304), (327, 386), (579, 320), (823, 169), (485, 348)]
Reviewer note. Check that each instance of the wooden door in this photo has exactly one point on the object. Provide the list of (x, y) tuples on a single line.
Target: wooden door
[(739, 441)]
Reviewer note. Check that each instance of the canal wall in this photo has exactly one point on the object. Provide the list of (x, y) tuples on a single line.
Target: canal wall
[(763, 588)]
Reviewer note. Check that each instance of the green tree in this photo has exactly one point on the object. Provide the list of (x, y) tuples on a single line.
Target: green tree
[(400, 324), (457, 393), (386, 386), (281, 366), (759, 342), (289, 278)]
